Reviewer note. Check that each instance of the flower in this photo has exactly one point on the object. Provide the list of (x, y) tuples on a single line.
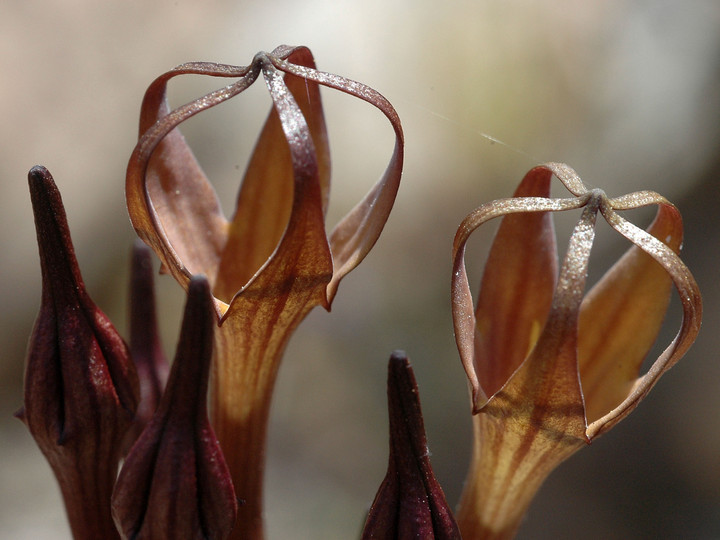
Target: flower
[(410, 502), (174, 482), (81, 389), (551, 368), (273, 261), (145, 349)]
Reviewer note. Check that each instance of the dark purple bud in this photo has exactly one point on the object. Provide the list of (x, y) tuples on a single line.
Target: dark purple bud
[(410, 502), (145, 348), (175, 483), (81, 390)]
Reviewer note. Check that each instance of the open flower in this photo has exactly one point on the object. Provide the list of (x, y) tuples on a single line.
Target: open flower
[(81, 389), (551, 368), (273, 261)]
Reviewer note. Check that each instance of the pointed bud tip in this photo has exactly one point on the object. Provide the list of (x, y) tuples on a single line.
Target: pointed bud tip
[(43, 191), (398, 355), (140, 249), (398, 360), (199, 300), (39, 174), (199, 284)]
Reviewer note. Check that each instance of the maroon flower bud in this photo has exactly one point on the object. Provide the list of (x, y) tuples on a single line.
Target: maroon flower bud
[(410, 502), (80, 386), (175, 483), (146, 351)]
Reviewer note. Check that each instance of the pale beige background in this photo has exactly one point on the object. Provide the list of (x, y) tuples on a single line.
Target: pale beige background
[(626, 92)]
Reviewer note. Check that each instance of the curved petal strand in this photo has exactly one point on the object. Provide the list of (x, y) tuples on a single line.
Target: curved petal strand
[(569, 178), (620, 319), (170, 201), (356, 233), (463, 313), (689, 327), (266, 195), (637, 199)]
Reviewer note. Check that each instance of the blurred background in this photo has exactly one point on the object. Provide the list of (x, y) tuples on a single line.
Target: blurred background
[(627, 93)]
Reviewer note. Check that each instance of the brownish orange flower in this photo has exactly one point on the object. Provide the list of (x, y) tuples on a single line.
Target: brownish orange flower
[(551, 368), (273, 261)]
